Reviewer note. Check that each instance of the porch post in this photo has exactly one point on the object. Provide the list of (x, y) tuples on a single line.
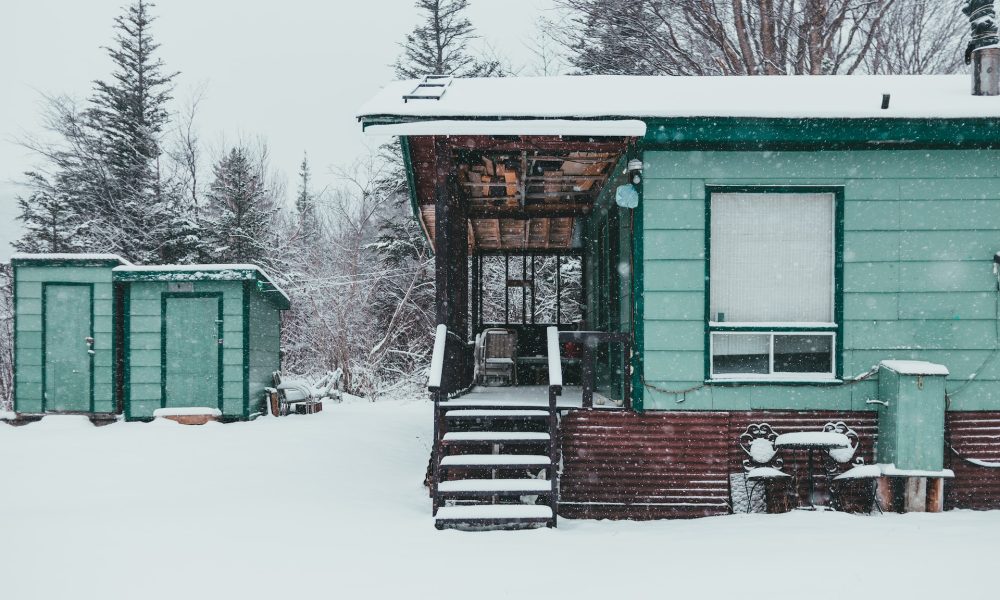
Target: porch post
[(451, 268)]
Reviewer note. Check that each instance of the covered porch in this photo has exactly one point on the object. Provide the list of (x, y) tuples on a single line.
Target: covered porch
[(527, 236)]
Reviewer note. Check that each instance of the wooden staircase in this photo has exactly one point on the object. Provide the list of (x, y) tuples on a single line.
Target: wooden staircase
[(495, 464)]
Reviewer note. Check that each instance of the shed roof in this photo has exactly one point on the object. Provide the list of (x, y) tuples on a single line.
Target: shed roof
[(207, 272), (611, 96), (68, 259)]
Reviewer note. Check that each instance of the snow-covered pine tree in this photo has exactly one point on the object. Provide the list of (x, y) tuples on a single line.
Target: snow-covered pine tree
[(439, 45), (49, 220), (128, 114), (305, 206), (240, 212)]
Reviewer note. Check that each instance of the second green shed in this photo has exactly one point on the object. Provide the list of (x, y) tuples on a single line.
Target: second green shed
[(199, 336)]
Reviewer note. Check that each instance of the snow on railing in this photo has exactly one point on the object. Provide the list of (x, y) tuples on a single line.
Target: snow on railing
[(555, 361), (437, 358)]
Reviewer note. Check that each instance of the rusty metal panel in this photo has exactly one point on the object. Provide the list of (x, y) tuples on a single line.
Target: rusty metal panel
[(623, 465), (976, 436)]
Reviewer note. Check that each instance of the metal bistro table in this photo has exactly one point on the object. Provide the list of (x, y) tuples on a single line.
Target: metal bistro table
[(812, 441)]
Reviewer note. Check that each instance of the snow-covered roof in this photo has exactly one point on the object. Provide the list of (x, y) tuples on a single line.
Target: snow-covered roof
[(206, 272), (914, 367), (629, 97), (67, 256)]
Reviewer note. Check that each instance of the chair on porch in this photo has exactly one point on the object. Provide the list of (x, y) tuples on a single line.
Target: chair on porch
[(496, 354), (763, 466), (859, 480)]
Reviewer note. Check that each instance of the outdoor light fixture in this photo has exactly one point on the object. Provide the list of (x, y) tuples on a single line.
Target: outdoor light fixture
[(627, 195)]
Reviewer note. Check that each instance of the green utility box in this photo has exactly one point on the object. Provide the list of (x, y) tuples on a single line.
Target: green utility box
[(65, 335), (199, 336), (911, 420)]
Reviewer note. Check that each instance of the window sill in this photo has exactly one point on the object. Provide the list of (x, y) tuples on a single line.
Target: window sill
[(775, 381)]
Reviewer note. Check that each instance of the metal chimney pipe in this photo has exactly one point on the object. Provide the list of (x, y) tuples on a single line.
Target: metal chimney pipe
[(986, 72), (983, 51)]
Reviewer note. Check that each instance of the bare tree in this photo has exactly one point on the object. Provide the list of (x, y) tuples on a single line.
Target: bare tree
[(758, 37), (6, 338), (919, 36)]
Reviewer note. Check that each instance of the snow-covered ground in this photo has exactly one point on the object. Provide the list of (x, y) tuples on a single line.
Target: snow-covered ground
[(332, 506)]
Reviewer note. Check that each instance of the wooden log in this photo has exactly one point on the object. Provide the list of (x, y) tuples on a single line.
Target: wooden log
[(935, 494), (883, 492)]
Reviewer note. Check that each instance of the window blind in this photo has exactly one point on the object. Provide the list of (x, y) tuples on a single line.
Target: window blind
[(772, 257)]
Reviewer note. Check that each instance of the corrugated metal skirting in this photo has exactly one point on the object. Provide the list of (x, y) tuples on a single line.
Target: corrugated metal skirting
[(621, 465), (973, 435)]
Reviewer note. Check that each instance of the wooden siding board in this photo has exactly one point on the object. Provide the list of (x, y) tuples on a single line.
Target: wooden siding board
[(672, 214), (959, 215)]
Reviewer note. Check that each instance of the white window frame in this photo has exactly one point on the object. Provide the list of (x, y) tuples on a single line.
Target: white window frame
[(772, 329), (771, 375)]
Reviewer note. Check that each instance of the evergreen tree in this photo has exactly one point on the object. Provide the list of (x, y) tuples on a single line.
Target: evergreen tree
[(104, 174), (305, 205), (240, 210), (49, 221), (128, 116), (439, 45)]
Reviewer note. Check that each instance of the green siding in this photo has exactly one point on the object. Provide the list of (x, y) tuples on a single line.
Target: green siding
[(28, 356), (265, 341), (143, 345), (250, 334), (920, 230)]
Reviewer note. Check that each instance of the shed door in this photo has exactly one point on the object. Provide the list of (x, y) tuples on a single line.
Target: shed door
[(192, 351), (67, 325)]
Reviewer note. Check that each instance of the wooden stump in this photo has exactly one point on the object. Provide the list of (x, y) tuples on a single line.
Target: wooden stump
[(935, 494)]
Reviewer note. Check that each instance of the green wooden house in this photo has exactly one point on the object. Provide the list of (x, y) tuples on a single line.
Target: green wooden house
[(198, 336), (66, 339), (766, 244)]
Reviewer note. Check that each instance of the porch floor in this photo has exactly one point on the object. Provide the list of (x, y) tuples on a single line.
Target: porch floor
[(528, 396)]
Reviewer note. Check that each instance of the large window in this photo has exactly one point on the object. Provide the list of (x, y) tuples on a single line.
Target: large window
[(772, 300)]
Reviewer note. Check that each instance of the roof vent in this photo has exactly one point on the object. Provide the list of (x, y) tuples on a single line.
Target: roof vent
[(432, 87)]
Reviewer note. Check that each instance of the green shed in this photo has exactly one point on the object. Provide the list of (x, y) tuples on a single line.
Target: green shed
[(66, 339), (199, 336)]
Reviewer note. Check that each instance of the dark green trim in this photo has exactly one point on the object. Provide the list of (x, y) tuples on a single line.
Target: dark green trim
[(744, 133), (235, 274), (44, 299), (638, 301), (246, 349), (66, 262), (838, 277), (127, 351), (13, 392), (411, 184), (164, 296), (753, 133)]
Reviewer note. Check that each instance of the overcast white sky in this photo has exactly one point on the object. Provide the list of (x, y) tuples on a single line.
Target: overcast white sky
[(293, 71)]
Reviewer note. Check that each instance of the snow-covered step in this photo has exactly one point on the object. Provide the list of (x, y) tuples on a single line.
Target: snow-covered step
[(501, 437), (495, 486), (494, 512), (479, 413), (495, 460)]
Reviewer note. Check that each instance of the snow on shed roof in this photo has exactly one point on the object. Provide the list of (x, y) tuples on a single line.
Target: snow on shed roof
[(68, 257), (609, 96), (207, 272)]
